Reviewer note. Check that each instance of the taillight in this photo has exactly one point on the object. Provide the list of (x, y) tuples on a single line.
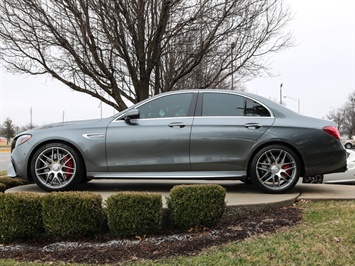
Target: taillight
[(333, 131)]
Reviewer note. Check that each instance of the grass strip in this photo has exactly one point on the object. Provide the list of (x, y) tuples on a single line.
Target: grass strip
[(326, 237)]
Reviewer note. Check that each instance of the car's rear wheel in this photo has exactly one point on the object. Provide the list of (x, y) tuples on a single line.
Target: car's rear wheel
[(56, 167), (275, 169), (348, 145)]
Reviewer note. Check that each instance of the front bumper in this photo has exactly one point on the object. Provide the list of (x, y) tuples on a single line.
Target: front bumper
[(11, 172)]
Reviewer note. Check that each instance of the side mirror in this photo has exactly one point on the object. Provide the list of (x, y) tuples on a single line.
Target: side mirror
[(131, 114)]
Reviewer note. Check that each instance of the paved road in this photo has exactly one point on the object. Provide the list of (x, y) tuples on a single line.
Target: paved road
[(4, 160)]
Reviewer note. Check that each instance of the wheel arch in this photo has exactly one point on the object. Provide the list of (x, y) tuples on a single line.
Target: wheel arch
[(39, 145), (300, 158)]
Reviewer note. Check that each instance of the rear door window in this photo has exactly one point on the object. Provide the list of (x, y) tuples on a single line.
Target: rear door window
[(225, 104)]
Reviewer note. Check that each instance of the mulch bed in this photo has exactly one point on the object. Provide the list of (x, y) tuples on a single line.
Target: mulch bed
[(108, 250)]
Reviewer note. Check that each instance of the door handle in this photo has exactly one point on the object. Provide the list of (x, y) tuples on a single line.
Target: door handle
[(177, 124), (252, 125)]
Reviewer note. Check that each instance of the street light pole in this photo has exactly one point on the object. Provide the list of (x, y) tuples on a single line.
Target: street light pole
[(281, 93), (298, 102), (353, 117), (232, 60)]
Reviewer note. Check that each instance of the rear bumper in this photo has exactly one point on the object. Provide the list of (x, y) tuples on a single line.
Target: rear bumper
[(339, 170), (325, 162)]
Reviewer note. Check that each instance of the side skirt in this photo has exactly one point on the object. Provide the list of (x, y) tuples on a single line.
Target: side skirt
[(209, 175)]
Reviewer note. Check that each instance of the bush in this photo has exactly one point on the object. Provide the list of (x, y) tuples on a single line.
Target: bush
[(196, 205), (2, 187), (20, 216), (134, 213), (10, 182), (70, 215)]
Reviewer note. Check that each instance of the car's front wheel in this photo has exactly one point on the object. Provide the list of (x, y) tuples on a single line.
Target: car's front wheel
[(56, 167), (275, 169)]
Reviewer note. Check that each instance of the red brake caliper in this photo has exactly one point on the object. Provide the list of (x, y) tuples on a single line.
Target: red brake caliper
[(68, 164), (287, 171)]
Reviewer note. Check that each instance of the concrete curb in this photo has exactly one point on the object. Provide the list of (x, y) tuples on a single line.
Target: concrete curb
[(241, 199)]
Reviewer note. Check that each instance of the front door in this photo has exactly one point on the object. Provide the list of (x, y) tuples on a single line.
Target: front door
[(159, 140)]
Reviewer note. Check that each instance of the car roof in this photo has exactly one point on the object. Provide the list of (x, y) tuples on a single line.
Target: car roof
[(278, 109)]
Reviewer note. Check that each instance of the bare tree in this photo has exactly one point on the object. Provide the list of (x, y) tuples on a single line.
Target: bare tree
[(121, 50), (338, 116), (344, 117), (27, 127)]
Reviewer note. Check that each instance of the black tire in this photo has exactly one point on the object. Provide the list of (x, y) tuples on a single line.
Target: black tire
[(348, 145), (275, 169), (84, 180), (247, 181), (57, 167)]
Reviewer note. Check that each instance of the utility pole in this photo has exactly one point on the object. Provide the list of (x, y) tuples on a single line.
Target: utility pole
[(281, 93), (100, 106), (353, 118), (298, 102), (31, 116)]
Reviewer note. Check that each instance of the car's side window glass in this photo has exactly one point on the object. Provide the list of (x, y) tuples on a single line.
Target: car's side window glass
[(222, 104), (176, 105), (253, 108)]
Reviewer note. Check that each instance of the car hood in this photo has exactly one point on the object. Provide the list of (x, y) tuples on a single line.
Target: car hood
[(67, 124), (71, 124)]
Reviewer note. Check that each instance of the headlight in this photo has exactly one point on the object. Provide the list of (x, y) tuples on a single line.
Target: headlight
[(22, 139)]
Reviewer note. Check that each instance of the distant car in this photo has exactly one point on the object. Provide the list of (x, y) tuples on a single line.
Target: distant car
[(337, 178), (348, 143), (190, 134)]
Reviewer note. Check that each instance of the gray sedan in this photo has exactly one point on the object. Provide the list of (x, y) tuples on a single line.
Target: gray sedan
[(192, 134)]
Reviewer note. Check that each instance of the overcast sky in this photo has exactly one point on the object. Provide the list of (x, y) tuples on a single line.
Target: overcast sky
[(319, 71)]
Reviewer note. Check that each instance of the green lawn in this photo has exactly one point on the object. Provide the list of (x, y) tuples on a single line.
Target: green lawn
[(326, 237)]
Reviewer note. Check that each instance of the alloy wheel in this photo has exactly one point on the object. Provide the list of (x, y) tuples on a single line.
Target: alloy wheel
[(276, 170), (55, 167)]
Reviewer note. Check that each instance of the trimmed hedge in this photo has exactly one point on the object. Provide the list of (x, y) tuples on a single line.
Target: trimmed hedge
[(2, 187), (70, 215), (134, 213), (20, 216), (10, 182), (196, 205)]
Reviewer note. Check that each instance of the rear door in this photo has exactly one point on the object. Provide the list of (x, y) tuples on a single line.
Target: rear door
[(225, 129)]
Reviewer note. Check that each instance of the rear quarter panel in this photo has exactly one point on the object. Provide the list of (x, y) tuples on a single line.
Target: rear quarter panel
[(319, 152)]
